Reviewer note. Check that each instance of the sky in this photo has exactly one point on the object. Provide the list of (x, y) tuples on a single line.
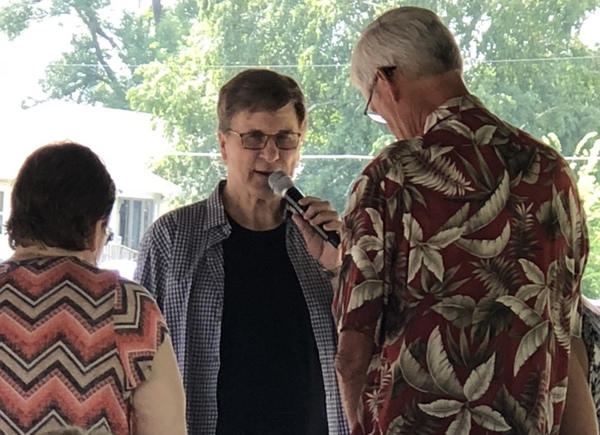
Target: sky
[(23, 61), (590, 31)]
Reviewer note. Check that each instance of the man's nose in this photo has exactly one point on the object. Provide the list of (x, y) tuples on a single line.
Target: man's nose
[(270, 152)]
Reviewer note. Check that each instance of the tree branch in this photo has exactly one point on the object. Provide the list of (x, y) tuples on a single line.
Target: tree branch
[(91, 21), (157, 10), (317, 105)]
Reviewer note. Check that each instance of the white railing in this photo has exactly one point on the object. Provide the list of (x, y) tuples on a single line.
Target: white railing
[(116, 251), (112, 251), (118, 257), (5, 251)]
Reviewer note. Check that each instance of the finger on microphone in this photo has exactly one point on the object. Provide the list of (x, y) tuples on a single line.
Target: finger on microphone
[(315, 206), (282, 185), (302, 223), (323, 217), (333, 225)]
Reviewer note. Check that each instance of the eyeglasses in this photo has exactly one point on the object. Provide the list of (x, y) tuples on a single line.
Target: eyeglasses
[(109, 237), (257, 140), (389, 72)]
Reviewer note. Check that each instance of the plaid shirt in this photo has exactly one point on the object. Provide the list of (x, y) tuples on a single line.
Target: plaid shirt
[(590, 333), (183, 252)]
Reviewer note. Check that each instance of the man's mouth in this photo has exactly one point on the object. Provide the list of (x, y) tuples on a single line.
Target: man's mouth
[(264, 173)]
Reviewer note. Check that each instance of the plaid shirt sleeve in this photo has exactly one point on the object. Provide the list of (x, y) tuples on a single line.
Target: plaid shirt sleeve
[(153, 260)]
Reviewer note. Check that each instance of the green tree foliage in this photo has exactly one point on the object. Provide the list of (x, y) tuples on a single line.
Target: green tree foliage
[(522, 58), (106, 50), (310, 41), (585, 164), (522, 73)]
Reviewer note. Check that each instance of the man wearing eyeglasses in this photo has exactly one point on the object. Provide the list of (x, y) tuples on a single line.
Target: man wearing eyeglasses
[(245, 287), (464, 244)]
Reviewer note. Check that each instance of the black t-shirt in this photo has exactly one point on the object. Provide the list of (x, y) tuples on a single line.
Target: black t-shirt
[(270, 379)]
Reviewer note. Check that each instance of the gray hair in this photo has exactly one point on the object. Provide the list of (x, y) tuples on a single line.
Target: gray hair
[(412, 39)]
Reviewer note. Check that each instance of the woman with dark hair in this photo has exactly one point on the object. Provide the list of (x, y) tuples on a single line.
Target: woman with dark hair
[(79, 345)]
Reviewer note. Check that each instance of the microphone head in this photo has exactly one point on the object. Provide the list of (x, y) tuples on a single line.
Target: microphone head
[(280, 182)]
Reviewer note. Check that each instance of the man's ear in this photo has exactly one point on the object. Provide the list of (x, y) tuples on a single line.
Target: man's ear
[(222, 139), (303, 130), (390, 84)]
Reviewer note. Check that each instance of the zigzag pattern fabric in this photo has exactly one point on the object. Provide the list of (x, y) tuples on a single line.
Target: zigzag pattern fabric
[(75, 341)]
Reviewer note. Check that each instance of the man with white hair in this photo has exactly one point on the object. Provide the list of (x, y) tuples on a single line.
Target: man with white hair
[(464, 245)]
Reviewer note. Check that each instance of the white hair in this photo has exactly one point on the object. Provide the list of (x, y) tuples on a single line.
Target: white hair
[(412, 39)]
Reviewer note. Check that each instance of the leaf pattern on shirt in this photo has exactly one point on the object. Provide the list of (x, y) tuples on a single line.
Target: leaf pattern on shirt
[(414, 374), (490, 209), (542, 285), (490, 318), (372, 286), (479, 380), (523, 241), (426, 252), (475, 387), (440, 367), (430, 168), (461, 424), (376, 398), (413, 422), (490, 419), (465, 249), (486, 248), (516, 415), (457, 309)]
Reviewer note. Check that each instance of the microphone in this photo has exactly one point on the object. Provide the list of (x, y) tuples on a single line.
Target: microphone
[(283, 186)]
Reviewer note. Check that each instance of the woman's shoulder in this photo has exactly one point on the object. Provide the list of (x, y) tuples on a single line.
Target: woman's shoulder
[(140, 329), (134, 300)]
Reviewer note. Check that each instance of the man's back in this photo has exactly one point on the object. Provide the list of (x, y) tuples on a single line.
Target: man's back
[(478, 277)]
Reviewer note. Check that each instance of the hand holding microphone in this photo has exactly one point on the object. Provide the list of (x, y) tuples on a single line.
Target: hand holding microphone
[(283, 186)]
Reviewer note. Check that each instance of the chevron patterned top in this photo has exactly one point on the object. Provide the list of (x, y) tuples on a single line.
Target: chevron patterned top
[(75, 341)]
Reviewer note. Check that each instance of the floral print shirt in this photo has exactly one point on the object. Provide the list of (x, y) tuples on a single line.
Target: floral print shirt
[(463, 253)]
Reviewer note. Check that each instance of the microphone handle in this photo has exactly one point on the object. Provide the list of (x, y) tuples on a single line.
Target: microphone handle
[(293, 195)]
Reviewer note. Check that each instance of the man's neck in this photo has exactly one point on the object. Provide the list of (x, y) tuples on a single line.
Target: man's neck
[(429, 93), (257, 214)]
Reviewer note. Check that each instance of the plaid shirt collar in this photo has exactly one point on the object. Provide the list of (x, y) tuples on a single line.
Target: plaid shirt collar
[(218, 215)]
